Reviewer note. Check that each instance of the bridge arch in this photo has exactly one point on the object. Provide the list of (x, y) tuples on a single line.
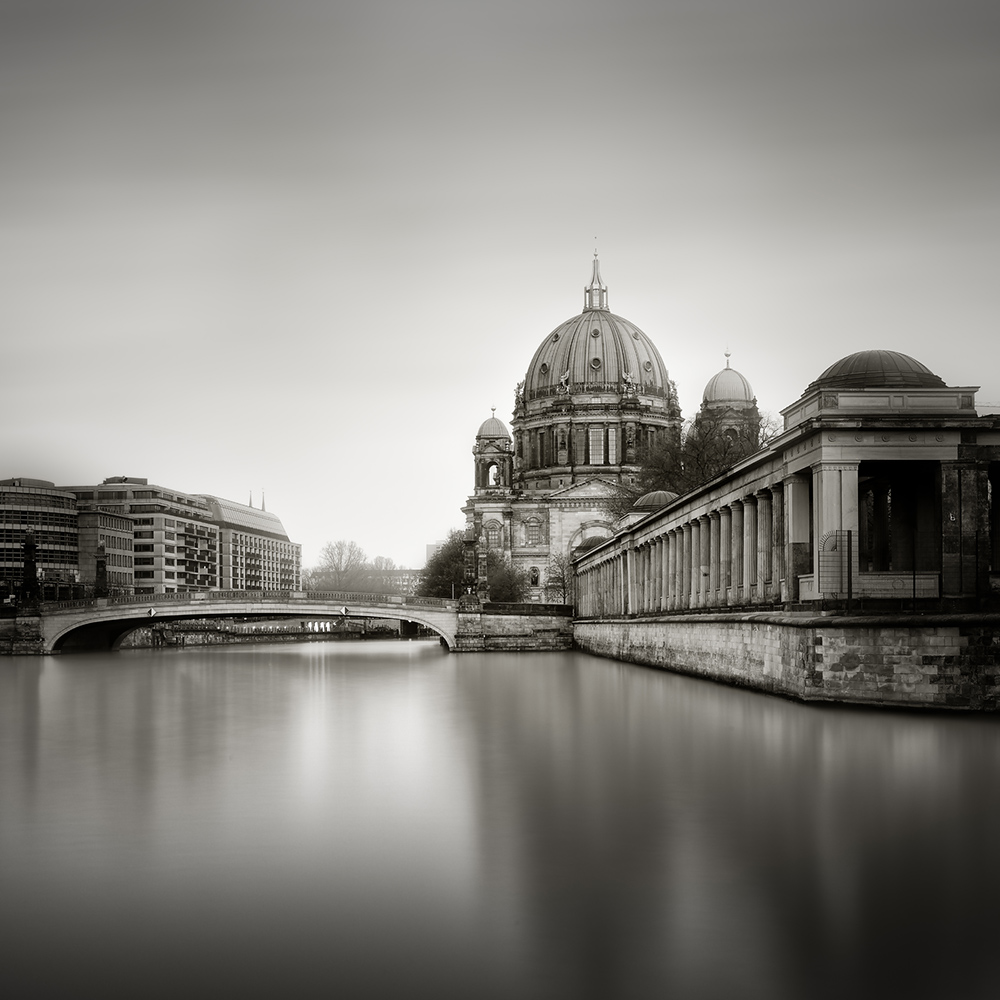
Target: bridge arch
[(102, 624)]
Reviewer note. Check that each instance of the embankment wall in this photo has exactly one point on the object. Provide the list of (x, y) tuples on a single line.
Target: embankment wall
[(937, 661), (515, 628)]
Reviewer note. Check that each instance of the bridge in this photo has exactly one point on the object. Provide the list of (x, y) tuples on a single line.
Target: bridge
[(102, 623)]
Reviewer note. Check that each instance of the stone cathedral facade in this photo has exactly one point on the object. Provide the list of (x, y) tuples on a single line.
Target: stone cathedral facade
[(595, 392)]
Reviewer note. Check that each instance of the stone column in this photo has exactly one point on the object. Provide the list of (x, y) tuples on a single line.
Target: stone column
[(658, 595), (672, 589), (651, 596), (749, 550), (695, 564), (725, 554), (798, 519), (778, 542), (736, 562), (713, 558), (665, 570), (763, 545), (685, 592), (835, 508), (704, 559)]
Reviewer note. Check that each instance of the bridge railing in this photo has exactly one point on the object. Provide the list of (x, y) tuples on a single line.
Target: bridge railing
[(294, 597)]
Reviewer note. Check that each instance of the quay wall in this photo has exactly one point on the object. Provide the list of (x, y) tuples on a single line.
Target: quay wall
[(20, 635), (944, 661), (514, 628)]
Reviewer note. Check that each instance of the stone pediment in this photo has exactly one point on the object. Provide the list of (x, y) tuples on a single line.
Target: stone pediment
[(596, 488)]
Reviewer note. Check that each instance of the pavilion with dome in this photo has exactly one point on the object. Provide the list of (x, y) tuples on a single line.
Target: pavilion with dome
[(882, 487)]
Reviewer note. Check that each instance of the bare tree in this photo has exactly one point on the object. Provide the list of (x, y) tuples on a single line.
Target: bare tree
[(712, 443), (381, 578), (342, 566), (559, 578)]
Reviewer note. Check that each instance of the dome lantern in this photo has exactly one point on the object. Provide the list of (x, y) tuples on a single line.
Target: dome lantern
[(595, 295)]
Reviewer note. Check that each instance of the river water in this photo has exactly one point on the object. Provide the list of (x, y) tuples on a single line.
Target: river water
[(386, 820)]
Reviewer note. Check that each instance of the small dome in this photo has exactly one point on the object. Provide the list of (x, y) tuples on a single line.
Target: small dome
[(493, 428), (587, 544), (728, 387), (654, 501), (877, 370)]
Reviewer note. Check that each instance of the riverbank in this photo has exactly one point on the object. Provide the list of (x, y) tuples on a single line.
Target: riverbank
[(915, 661)]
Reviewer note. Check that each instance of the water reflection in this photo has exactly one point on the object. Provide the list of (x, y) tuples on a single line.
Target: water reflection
[(388, 820)]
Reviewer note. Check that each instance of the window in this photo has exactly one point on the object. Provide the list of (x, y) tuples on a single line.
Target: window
[(493, 535), (596, 445), (533, 532)]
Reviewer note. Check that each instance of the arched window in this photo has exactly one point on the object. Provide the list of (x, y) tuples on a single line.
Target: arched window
[(532, 532), (533, 576), (493, 535)]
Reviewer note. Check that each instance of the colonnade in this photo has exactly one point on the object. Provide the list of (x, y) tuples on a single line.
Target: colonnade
[(732, 555)]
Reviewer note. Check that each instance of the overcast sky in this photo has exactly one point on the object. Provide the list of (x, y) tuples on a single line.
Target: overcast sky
[(305, 246)]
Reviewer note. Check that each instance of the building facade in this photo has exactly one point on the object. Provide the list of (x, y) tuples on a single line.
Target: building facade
[(254, 551), (34, 513), (595, 393), (106, 560), (125, 535)]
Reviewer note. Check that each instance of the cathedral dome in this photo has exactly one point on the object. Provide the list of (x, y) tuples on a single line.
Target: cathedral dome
[(877, 370), (493, 428), (596, 350), (728, 388)]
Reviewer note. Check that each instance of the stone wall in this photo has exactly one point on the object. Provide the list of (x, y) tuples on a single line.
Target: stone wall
[(20, 636), (945, 661), (514, 628)]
